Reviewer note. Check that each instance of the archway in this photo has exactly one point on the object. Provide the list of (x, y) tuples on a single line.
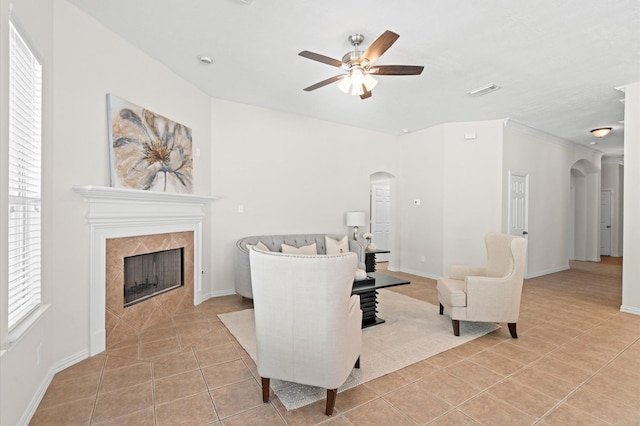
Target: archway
[(584, 236)]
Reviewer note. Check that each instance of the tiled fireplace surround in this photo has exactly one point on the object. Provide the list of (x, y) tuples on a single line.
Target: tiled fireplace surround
[(124, 323), (123, 222)]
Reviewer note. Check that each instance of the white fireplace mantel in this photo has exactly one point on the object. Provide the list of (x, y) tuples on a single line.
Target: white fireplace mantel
[(117, 213)]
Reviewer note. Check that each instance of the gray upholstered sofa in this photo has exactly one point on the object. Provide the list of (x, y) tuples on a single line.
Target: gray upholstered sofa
[(274, 243)]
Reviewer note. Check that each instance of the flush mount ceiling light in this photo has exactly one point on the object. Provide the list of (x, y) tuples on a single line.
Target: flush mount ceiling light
[(359, 67), (601, 132), (484, 90)]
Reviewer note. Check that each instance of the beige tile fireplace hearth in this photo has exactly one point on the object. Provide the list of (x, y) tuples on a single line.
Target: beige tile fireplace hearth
[(125, 323)]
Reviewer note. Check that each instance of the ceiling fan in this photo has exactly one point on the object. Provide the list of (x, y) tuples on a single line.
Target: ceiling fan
[(359, 65)]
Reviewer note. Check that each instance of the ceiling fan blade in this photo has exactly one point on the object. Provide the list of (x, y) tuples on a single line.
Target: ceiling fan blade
[(320, 58), (324, 83), (379, 46), (366, 93), (397, 70)]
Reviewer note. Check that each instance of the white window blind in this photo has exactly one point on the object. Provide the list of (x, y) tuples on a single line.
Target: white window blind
[(25, 122)]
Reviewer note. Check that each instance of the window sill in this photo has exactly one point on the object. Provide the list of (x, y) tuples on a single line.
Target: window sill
[(23, 328)]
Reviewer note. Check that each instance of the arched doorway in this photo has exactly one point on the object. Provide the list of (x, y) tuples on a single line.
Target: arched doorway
[(584, 226)]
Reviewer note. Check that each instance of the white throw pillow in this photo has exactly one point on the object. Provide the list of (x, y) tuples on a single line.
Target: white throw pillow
[(310, 249), (336, 246), (260, 246)]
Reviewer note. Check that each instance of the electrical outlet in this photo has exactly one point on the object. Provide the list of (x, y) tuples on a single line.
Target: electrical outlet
[(38, 353), (423, 258)]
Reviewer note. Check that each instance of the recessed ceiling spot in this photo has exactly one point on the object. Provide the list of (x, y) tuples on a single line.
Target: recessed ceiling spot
[(207, 60), (484, 90)]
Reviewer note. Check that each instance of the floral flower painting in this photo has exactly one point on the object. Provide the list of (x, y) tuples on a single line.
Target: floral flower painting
[(148, 151)]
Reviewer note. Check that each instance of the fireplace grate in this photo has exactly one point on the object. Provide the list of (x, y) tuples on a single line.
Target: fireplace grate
[(150, 274)]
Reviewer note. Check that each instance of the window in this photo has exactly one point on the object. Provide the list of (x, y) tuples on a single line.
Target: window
[(25, 123)]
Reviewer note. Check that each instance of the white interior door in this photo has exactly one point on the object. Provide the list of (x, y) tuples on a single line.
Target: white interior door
[(605, 223), (381, 218), (518, 204)]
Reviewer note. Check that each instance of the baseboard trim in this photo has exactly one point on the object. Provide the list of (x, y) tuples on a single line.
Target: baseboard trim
[(42, 389), (547, 271), (630, 309), (218, 293), (416, 272)]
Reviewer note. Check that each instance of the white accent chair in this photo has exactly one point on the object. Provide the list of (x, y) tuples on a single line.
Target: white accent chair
[(488, 293), (308, 325)]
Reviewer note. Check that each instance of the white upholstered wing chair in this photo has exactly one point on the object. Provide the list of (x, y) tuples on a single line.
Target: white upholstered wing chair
[(488, 293), (308, 325)]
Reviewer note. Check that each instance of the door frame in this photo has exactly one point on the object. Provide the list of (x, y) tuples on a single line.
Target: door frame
[(526, 210), (609, 192)]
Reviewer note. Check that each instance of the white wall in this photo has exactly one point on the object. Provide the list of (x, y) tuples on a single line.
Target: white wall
[(83, 62), (472, 190), (290, 174), (548, 162), (631, 266), (458, 182), (419, 228)]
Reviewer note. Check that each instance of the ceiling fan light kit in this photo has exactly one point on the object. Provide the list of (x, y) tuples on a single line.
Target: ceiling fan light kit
[(358, 80)]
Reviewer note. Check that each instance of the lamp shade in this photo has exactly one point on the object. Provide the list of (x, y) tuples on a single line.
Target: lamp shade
[(356, 219)]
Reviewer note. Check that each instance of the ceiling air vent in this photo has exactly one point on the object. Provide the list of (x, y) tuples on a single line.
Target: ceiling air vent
[(483, 90)]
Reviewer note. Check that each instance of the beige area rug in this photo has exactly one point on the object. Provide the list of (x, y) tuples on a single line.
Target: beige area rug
[(414, 330)]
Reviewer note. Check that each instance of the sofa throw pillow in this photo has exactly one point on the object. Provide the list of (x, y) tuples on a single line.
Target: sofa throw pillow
[(336, 246), (259, 246), (310, 249)]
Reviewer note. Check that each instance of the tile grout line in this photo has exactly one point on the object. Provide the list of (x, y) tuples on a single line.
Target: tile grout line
[(587, 380), (95, 402)]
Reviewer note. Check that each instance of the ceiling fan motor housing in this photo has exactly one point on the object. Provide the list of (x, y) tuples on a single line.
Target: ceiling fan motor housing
[(353, 56)]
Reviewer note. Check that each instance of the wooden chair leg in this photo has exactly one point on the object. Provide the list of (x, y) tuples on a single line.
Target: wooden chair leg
[(331, 401), (512, 330), (265, 389), (456, 327), (357, 363), (441, 309)]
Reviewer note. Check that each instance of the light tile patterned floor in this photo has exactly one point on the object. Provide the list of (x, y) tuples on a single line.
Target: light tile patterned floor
[(577, 361)]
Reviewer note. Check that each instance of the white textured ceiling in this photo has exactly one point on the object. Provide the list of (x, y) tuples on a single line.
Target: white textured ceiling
[(558, 62)]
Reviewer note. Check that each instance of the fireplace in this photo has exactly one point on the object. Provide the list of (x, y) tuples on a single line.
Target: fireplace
[(151, 274), (143, 221), (126, 319)]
